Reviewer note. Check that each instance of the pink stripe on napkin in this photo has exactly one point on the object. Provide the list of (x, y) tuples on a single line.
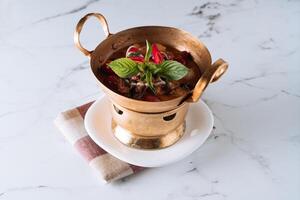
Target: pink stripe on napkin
[(71, 125), (88, 148)]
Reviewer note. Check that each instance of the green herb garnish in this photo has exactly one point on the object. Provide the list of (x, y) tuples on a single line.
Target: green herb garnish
[(149, 80), (148, 51), (172, 70), (124, 67), (168, 69)]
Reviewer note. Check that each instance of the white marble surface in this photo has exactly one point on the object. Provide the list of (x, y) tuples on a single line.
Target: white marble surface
[(255, 150)]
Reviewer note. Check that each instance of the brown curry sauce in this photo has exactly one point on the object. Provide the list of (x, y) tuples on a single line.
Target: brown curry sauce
[(165, 90)]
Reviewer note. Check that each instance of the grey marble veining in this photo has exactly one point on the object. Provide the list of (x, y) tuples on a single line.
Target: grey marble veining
[(253, 152)]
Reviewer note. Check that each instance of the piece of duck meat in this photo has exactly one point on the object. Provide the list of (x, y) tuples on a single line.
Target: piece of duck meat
[(173, 85), (161, 87), (111, 82), (183, 57), (138, 89), (123, 86)]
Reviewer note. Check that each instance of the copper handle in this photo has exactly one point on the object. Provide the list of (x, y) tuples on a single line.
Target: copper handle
[(79, 26), (212, 74)]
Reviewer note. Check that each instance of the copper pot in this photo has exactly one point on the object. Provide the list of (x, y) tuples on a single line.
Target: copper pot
[(152, 111)]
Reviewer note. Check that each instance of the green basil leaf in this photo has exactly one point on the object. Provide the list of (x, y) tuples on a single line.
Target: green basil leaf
[(148, 51), (156, 71), (124, 67), (149, 80), (172, 70)]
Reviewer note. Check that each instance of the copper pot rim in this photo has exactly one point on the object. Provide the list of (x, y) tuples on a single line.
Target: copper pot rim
[(111, 36), (211, 73)]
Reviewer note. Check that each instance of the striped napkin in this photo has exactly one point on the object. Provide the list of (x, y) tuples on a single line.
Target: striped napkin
[(71, 125)]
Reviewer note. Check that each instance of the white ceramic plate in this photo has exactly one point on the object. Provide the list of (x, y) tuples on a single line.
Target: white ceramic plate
[(199, 124)]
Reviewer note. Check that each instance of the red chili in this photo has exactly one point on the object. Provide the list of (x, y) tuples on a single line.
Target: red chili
[(156, 55), (132, 49), (137, 58)]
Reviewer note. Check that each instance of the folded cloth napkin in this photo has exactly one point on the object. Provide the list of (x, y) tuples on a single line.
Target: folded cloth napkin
[(71, 125)]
